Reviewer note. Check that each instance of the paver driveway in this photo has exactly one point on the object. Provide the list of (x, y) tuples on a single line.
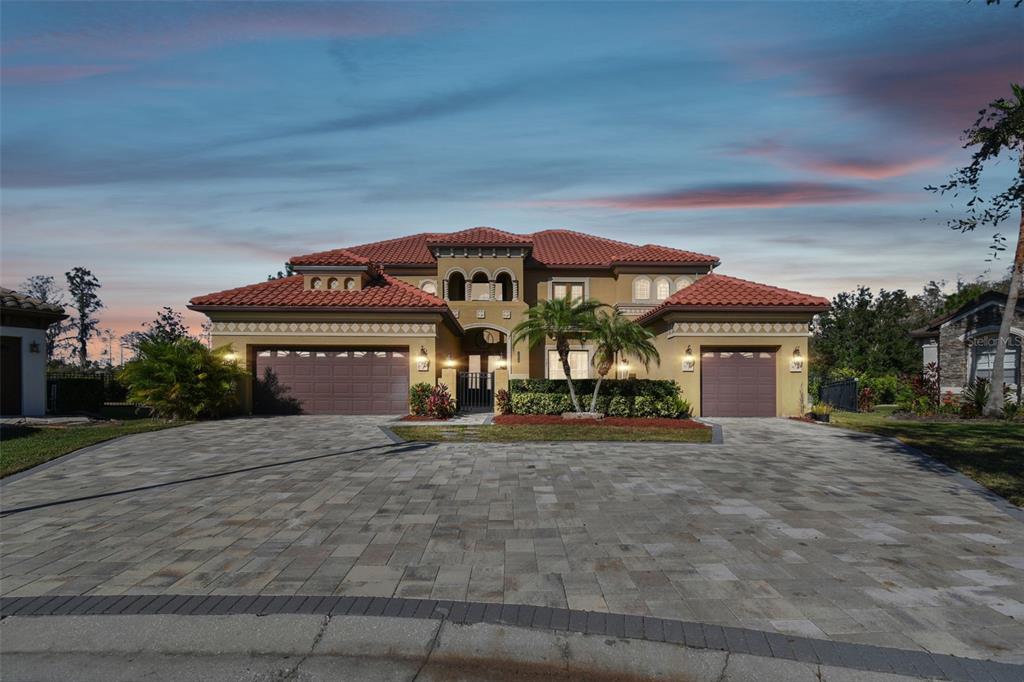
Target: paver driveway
[(787, 527)]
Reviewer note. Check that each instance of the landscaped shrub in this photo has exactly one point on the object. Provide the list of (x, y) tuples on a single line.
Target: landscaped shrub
[(974, 397), (886, 389), (866, 400), (630, 388), (620, 406), (441, 404), (419, 394), (503, 401), (182, 379), (541, 403)]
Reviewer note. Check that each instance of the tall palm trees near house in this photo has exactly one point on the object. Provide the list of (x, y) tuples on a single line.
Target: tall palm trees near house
[(999, 128), (564, 320), (615, 335)]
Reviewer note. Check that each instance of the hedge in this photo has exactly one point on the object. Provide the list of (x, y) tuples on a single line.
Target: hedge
[(628, 388), (614, 406)]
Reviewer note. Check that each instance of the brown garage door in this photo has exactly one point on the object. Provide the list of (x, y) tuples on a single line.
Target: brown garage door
[(334, 381), (737, 383)]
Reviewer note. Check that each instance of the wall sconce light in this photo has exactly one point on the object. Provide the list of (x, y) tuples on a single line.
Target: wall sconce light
[(501, 363), (449, 362), (796, 363), (422, 361), (33, 347), (231, 357), (689, 362)]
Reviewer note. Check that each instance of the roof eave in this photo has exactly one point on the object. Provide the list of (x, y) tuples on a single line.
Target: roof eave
[(443, 310), (659, 312)]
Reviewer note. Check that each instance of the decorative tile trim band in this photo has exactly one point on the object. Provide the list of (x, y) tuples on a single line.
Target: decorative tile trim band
[(694, 635), (739, 329), (326, 328)]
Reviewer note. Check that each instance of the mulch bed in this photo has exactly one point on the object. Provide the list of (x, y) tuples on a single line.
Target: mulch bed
[(556, 419)]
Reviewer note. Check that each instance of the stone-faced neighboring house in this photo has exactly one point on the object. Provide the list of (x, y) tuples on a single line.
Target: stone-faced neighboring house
[(355, 327), (23, 323), (963, 343)]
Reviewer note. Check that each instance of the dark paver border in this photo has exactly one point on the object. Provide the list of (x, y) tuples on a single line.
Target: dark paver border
[(647, 628)]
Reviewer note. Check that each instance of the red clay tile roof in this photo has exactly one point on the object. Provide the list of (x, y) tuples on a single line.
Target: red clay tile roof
[(479, 236), (411, 250), (553, 248), (720, 291), (287, 292), (333, 257), (652, 253)]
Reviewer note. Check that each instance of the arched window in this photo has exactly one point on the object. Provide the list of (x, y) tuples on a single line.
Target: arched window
[(481, 287), (456, 286), (641, 289), (316, 283), (429, 287), (350, 284), (661, 290), (503, 283), (332, 283), (680, 283)]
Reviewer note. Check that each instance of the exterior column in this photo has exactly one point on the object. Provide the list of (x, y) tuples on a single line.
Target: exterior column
[(490, 290), (500, 383), (444, 288), (469, 290), (515, 290)]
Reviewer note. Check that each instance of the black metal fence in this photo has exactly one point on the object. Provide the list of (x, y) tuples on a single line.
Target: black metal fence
[(475, 391), (841, 394), (70, 392)]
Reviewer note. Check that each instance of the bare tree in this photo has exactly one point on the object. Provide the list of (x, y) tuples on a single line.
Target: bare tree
[(82, 287)]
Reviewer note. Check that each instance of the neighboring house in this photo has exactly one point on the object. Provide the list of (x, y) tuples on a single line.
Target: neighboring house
[(963, 343), (355, 326), (23, 323)]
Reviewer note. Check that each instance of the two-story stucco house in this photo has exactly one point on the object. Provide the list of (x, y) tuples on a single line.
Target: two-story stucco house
[(355, 327)]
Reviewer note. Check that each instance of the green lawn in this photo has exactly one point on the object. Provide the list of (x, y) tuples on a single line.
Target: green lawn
[(990, 452), (548, 432), (23, 447)]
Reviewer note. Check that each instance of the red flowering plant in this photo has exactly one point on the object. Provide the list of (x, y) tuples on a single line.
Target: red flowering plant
[(866, 400), (441, 404)]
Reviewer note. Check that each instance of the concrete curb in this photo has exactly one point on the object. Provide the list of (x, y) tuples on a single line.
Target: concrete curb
[(313, 647), (36, 616)]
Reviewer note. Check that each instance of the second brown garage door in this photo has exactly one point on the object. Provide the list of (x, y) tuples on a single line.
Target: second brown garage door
[(336, 381), (737, 383)]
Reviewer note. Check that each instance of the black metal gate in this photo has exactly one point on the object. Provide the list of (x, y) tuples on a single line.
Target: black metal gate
[(475, 392), (840, 394)]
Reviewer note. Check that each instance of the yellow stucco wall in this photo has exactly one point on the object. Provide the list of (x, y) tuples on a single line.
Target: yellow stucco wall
[(437, 343)]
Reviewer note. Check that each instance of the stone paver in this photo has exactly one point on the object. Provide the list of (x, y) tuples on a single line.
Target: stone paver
[(786, 527)]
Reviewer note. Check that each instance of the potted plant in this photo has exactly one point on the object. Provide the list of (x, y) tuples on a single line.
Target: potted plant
[(820, 412)]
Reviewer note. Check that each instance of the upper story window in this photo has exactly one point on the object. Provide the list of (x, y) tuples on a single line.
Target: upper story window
[(316, 283), (429, 287), (680, 283), (456, 286), (503, 287), (480, 287), (573, 290), (641, 289), (662, 289)]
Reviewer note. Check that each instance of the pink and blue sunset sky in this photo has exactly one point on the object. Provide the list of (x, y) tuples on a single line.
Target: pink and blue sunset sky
[(179, 149)]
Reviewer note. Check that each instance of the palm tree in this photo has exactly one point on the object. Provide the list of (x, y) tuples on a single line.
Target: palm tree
[(563, 320), (999, 128), (615, 334)]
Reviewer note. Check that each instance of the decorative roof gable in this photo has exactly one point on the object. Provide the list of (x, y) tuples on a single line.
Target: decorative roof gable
[(383, 291), (729, 293)]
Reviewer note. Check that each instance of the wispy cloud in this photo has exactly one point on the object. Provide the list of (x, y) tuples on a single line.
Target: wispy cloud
[(144, 31), (54, 73), (745, 195), (30, 162), (841, 162)]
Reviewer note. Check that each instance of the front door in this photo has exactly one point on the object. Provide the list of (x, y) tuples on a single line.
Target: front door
[(10, 375)]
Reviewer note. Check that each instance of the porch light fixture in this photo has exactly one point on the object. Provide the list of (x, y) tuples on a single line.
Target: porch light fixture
[(501, 363), (422, 361), (796, 363), (449, 362), (689, 362), (33, 347), (230, 357)]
